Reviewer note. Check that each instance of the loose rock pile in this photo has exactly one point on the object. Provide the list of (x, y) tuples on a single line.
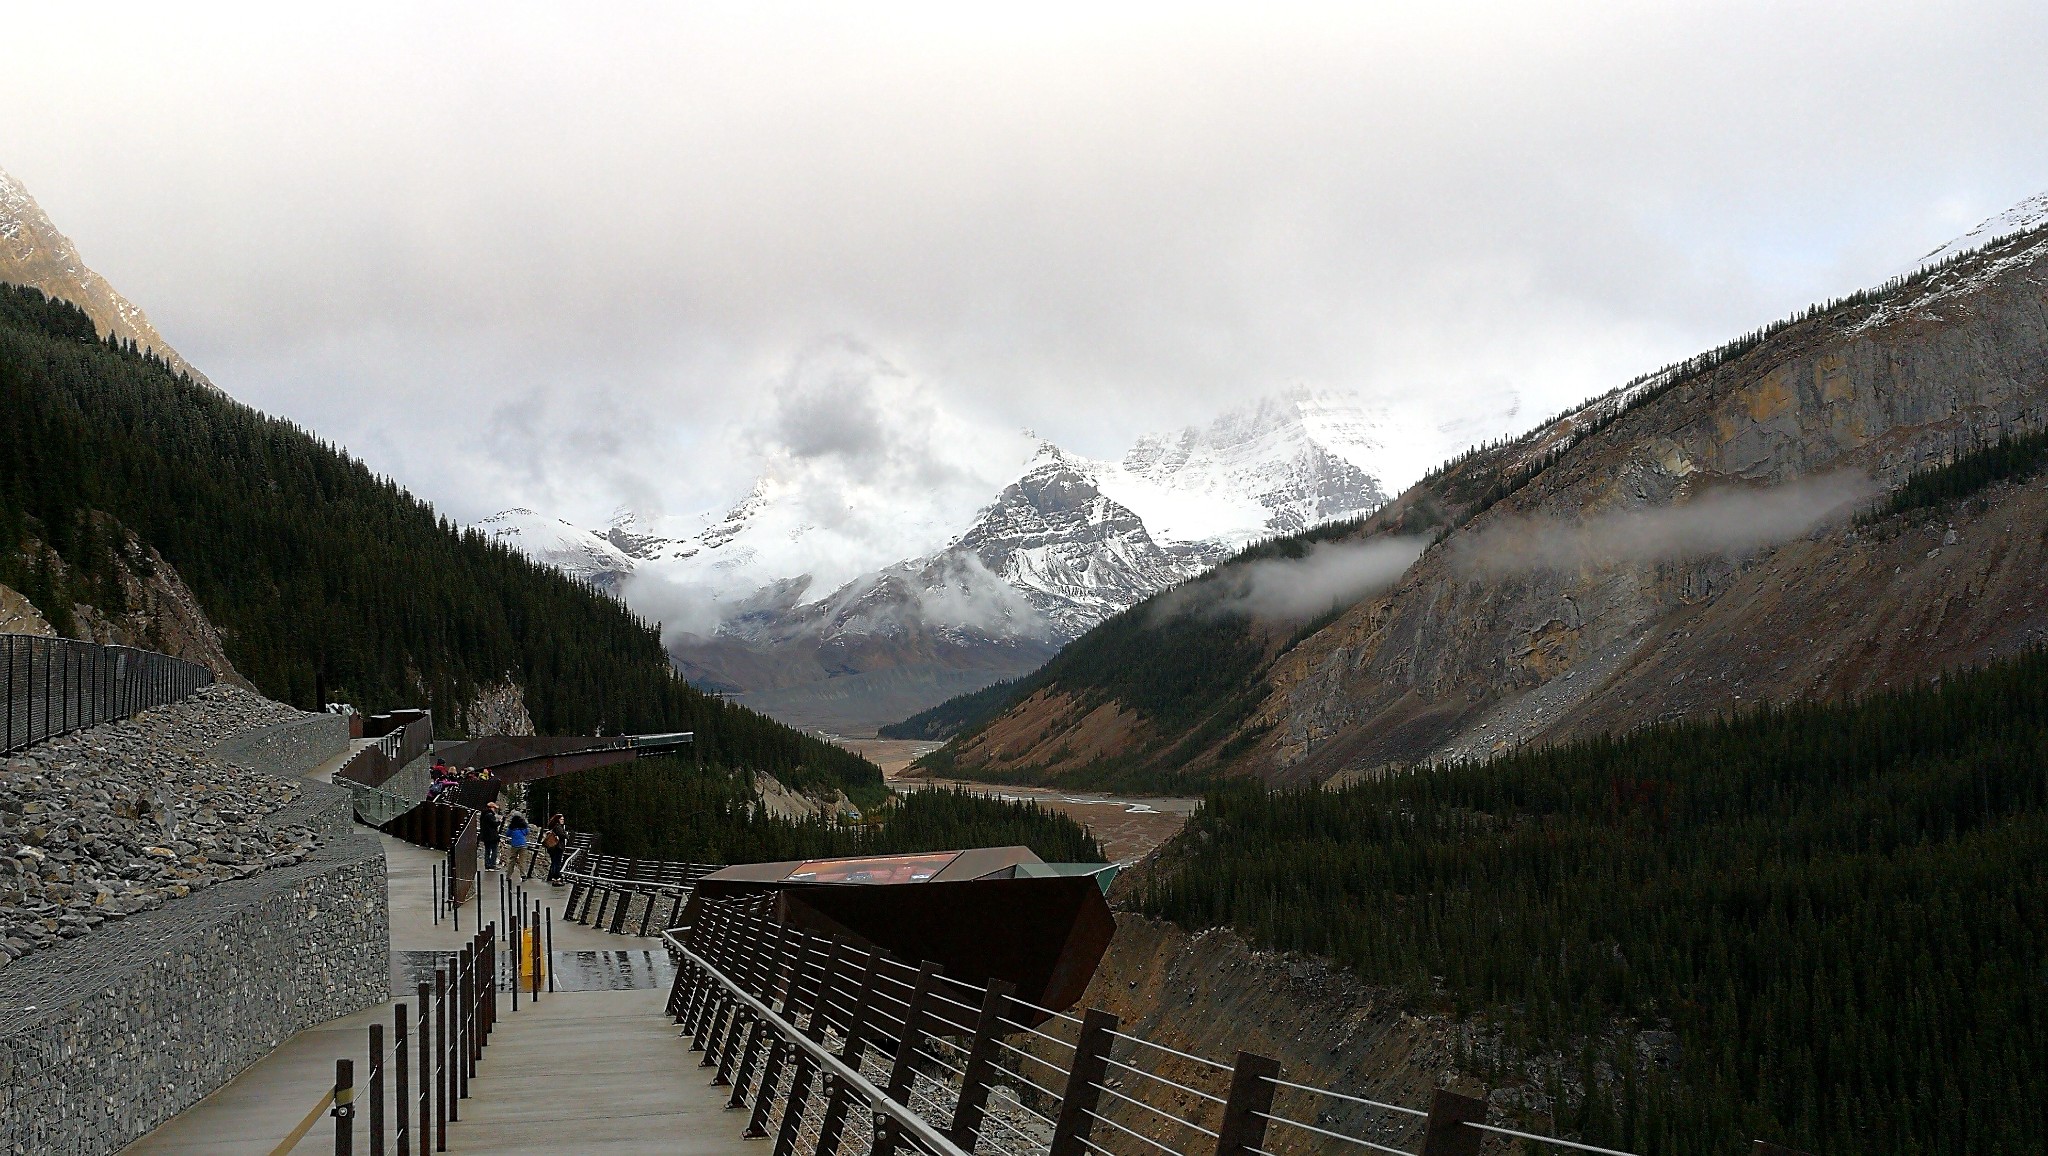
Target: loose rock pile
[(119, 818)]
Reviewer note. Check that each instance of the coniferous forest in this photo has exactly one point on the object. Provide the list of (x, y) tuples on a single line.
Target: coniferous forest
[(1840, 910), (668, 809), (323, 577)]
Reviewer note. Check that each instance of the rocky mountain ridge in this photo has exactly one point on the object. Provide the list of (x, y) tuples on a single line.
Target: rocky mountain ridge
[(34, 253), (1071, 542), (1606, 570)]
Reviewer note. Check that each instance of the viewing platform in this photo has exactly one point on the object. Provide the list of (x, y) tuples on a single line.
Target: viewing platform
[(597, 1071)]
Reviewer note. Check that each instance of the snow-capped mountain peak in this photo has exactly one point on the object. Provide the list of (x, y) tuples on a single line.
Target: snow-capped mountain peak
[(774, 592), (580, 553), (2029, 214)]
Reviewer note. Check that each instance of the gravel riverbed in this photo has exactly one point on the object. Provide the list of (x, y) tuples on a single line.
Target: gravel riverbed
[(124, 817)]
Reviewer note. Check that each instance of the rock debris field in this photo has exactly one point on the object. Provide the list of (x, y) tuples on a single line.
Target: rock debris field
[(123, 817)]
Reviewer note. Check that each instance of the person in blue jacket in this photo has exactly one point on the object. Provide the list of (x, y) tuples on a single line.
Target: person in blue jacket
[(515, 840)]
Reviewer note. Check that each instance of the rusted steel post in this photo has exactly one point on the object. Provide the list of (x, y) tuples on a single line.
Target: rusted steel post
[(1445, 1133), (833, 1126), (1251, 1099), (441, 1059), (344, 1110), (794, 992), (538, 962), (770, 974), (909, 1038), (705, 938), (376, 1124), (1084, 1084), (742, 1016), (548, 921), (401, 1094), (819, 1010), (426, 1073), (981, 1065)]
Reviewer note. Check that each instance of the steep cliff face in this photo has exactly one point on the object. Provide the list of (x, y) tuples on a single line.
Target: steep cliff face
[(498, 709), (1213, 994), (1681, 546), (34, 253), (19, 616), (136, 599), (1509, 631)]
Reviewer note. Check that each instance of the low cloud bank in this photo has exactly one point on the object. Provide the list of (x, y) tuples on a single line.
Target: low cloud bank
[(1726, 521), (1331, 575)]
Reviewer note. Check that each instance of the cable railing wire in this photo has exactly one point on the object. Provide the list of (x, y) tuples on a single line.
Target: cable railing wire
[(1359, 1140), (1546, 1139), (1136, 1135), (1174, 1084), (1157, 1111), (1170, 1051), (1343, 1096)]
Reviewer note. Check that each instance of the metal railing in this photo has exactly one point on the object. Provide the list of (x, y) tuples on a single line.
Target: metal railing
[(51, 686), (375, 762), (614, 884), (847, 1049)]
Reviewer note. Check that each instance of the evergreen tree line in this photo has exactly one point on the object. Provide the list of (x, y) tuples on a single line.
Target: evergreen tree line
[(322, 576), (668, 808), (1841, 910), (2013, 457)]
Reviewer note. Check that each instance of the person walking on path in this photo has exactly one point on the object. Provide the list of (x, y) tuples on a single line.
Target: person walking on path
[(487, 834), (515, 838), (556, 840)]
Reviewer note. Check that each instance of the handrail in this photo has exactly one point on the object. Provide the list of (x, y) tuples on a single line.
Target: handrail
[(766, 957), (930, 1137)]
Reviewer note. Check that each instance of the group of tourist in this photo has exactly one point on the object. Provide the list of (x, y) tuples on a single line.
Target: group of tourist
[(515, 835), (511, 834)]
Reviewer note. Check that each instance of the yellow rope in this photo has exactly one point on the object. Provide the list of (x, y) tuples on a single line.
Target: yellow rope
[(305, 1125)]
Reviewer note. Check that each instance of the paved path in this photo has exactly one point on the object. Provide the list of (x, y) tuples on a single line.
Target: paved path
[(581, 1071)]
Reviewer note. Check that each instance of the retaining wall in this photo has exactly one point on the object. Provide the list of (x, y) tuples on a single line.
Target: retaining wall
[(112, 1034)]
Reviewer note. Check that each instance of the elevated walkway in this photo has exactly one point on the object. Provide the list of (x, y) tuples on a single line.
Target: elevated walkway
[(596, 1071)]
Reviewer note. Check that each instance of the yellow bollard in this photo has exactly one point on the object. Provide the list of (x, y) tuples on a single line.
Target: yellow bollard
[(528, 958)]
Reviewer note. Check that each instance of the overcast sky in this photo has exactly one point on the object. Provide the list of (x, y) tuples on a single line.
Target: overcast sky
[(580, 255)]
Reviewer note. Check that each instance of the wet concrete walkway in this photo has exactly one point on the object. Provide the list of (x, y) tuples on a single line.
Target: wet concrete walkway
[(597, 1070)]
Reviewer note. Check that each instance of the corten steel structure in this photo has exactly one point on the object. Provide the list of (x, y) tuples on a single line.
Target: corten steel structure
[(524, 758), (51, 686), (975, 912)]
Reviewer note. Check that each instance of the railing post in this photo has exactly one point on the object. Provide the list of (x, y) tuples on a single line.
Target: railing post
[(376, 1090), (981, 1065), (401, 1093), (1445, 1133), (742, 1016), (771, 969), (904, 1070), (1251, 1099), (834, 1124), (441, 1059), (1084, 1084), (706, 937), (425, 1131), (820, 1010), (779, 1048), (344, 1110)]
